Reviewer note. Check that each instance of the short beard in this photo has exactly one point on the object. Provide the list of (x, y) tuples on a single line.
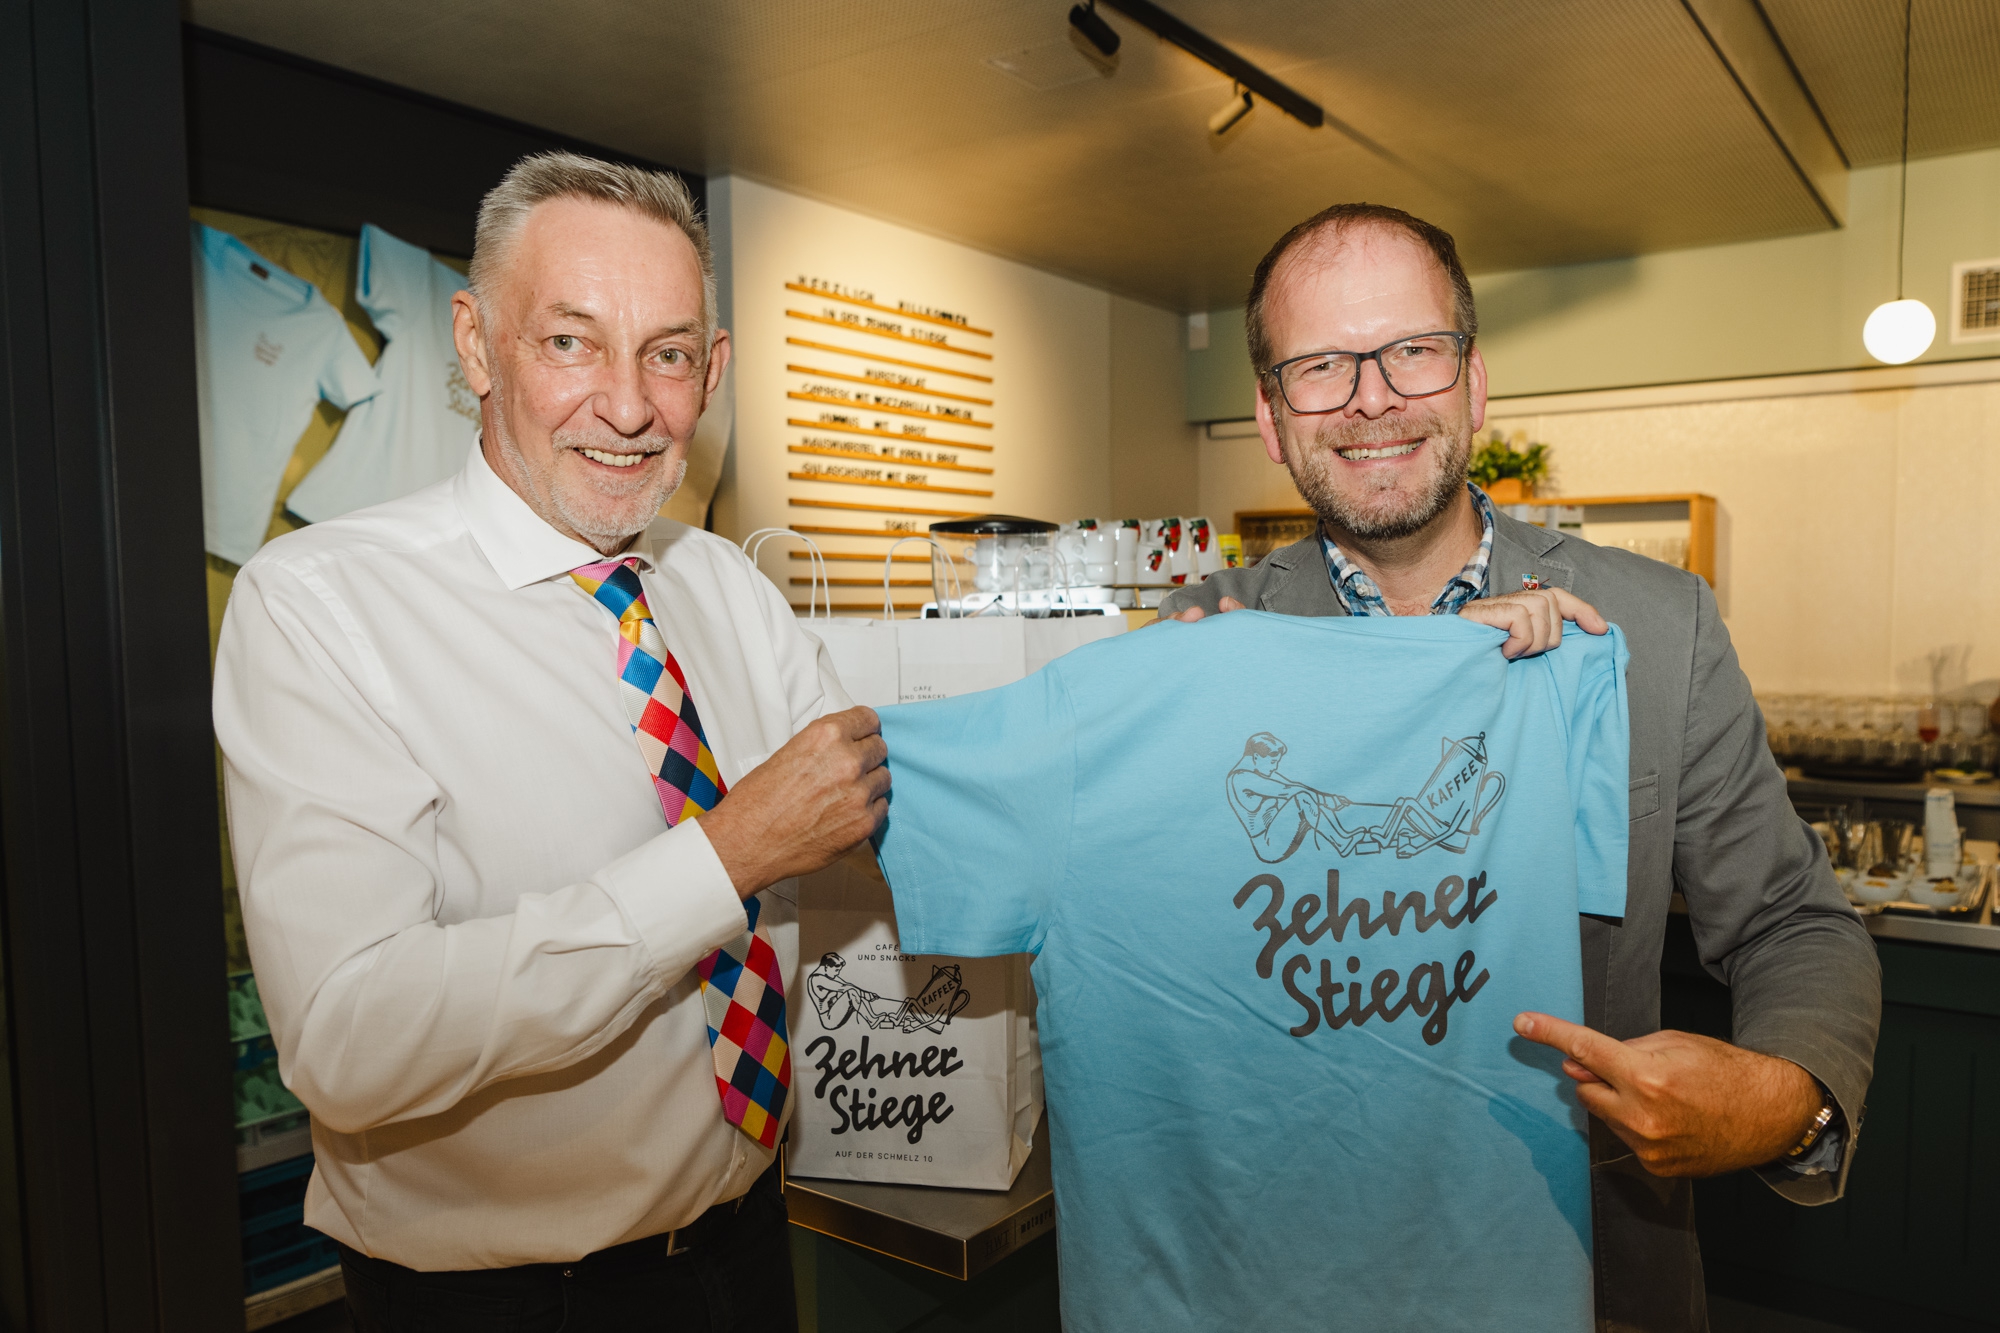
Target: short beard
[(1378, 513), (602, 521)]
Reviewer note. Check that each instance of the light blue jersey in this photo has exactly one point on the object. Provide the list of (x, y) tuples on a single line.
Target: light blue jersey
[(268, 347), (1288, 881), (416, 431)]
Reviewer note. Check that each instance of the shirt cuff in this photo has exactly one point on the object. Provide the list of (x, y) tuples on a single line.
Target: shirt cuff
[(1822, 1157), (677, 896)]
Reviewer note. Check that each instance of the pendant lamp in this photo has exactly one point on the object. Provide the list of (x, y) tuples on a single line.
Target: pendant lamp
[(1901, 330)]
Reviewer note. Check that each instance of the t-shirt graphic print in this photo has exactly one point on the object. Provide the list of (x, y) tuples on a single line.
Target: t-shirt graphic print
[(1287, 882)]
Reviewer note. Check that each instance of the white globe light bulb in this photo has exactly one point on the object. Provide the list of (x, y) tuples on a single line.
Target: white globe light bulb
[(1899, 331)]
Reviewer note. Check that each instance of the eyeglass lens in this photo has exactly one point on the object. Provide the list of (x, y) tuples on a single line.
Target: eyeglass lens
[(1413, 368)]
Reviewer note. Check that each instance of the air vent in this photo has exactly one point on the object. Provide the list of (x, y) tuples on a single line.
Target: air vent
[(1975, 301)]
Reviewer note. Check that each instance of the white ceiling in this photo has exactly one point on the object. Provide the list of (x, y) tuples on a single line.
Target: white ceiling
[(1538, 131)]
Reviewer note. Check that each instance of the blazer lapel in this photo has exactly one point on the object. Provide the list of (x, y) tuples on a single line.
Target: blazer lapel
[(1299, 583), (1523, 551)]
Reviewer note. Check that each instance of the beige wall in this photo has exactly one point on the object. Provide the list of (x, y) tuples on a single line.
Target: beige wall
[(1051, 364), (1088, 388), (1235, 475), (1154, 451), (1859, 520), (1859, 512)]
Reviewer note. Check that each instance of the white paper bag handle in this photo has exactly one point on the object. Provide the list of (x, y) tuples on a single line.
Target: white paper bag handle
[(889, 567), (755, 543)]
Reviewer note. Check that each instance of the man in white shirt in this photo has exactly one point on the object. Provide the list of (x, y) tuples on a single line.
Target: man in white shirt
[(484, 913)]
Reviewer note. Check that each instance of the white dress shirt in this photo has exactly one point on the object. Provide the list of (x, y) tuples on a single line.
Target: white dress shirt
[(473, 932)]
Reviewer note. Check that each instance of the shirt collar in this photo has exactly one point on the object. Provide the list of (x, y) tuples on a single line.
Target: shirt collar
[(1360, 595), (516, 541)]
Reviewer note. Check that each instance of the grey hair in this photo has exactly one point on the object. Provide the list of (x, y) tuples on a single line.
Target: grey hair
[(541, 177)]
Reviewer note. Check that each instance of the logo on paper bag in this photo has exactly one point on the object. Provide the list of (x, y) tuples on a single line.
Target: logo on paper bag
[(839, 1000), (1281, 814)]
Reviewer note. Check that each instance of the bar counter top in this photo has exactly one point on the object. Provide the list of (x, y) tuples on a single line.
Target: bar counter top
[(959, 1233)]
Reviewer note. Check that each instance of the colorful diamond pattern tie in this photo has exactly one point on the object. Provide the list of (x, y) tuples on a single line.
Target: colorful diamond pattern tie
[(742, 990)]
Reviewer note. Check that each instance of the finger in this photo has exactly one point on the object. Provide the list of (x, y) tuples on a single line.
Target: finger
[(856, 722), (1579, 1073), (1550, 616), (1602, 1101), (1583, 613), (1508, 613), (876, 783), (1602, 1056), (1192, 614), (1231, 604), (874, 752)]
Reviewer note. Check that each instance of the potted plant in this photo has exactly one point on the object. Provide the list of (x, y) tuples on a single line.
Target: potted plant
[(1508, 468)]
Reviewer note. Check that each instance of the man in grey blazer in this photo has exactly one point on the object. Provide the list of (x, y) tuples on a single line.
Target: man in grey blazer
[(1370, 389)]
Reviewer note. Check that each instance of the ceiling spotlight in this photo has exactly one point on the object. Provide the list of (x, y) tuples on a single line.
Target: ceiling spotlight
[(1101, 35), (1233, 111)]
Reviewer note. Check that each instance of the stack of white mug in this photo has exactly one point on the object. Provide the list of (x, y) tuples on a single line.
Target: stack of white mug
[(1141, 559)]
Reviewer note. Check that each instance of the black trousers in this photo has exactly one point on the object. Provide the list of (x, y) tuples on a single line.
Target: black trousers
[(734, 1276)]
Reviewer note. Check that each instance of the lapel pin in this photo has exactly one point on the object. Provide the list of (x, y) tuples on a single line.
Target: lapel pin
[(1530, 582)]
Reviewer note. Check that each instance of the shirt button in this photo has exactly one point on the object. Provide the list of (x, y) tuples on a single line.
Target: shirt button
[(569, 1272)]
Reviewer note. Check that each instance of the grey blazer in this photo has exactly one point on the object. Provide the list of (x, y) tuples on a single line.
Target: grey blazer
[(1710, 819)]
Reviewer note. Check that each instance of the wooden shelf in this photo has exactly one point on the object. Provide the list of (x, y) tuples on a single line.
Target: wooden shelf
[(885, 384), (887, 360), (885, 309), (885, 509), (890, 485), (1700, 519), (1253, 525), (861, 583), (886, 333), (945, 417), (803, 424), (894, 533), (818, 452)]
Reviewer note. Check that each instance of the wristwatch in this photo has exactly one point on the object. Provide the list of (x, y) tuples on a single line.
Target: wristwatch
[(1828, 1108)]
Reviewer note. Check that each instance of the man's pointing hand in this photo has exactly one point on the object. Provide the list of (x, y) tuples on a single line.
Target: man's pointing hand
[(1685, 1105)]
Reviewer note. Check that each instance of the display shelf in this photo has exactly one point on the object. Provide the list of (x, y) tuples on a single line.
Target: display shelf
[(1696, 510), (1985, 795), (1913, 928), (293, 1298), (959, 1233), (1264, 530)]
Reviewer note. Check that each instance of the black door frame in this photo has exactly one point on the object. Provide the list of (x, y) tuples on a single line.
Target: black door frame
[(123, 1211)]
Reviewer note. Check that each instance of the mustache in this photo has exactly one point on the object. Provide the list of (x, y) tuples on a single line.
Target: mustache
[(1363, 434), (612, 444)]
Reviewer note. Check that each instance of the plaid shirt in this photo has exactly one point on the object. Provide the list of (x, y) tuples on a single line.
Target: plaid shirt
[(1359, 594)]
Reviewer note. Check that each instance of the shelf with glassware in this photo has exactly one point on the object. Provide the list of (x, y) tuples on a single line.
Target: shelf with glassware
[(1090, 566), (1677, 528)]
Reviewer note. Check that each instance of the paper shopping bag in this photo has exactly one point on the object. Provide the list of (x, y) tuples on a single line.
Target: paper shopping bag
[(914, 1070)]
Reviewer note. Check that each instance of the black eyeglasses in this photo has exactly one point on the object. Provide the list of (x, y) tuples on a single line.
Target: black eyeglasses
[(1415, 367)]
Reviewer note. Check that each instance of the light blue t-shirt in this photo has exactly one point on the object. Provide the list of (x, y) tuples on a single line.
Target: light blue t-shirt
[(419, 428), (268, 347), (1288, 881)]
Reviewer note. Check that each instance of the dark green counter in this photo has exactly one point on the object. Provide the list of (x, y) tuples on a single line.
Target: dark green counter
[(1912, 1244)]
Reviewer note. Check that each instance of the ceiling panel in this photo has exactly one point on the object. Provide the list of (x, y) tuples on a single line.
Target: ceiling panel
[(1539, 132), (1850, 53)]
